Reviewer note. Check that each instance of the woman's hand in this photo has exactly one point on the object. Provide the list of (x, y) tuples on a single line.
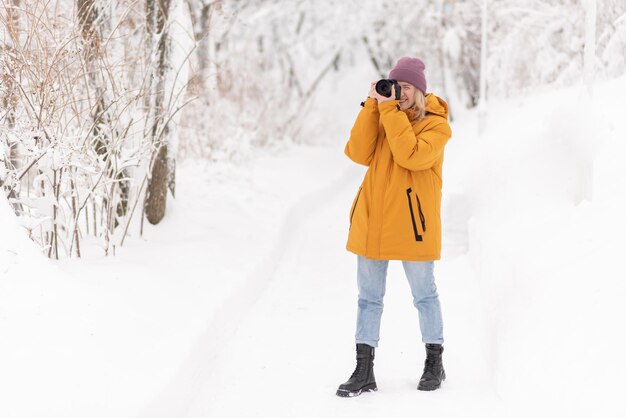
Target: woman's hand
[(381, 99), (372, 90)]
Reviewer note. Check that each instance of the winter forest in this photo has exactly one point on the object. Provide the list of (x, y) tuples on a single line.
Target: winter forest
[(173, 179), (101, 98)]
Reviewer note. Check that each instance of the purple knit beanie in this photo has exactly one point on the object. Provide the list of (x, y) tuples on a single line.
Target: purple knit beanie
[(410, 70)]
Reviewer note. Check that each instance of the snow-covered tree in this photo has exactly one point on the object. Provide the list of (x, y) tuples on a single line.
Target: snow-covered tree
[(162, 167)]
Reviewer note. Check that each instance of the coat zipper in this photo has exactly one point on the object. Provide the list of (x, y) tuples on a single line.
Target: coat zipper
[(418, 237), (354, 206), (419, 208)]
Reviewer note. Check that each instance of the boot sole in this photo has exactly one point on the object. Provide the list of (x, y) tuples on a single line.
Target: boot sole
[(343, 393), (430, 388)]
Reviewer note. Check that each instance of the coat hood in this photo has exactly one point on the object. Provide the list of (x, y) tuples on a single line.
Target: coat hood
[(436, 105)]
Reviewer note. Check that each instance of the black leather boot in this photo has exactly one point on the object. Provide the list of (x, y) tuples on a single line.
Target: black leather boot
[(433, 368), (362, 379)]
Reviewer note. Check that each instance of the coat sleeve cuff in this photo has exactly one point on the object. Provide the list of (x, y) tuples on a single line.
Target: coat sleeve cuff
[(391, 105), (369, 103)]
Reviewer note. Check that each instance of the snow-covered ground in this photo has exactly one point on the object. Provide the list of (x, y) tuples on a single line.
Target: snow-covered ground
[(242, 302)]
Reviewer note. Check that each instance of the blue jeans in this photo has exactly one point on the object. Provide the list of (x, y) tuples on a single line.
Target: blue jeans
[(372, 278)]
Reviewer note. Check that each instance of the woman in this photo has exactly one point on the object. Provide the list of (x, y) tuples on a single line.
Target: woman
[(396, 214)]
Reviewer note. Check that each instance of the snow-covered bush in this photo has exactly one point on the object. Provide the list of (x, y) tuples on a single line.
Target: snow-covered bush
[(77, 137)]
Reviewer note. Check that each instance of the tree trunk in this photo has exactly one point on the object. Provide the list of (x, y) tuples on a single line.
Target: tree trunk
[(482, 103), (201, 13), (590, 44), (162, 169), (156, 195), (9, 101)]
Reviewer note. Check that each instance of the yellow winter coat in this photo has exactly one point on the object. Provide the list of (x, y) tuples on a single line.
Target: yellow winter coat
[(396, 212)]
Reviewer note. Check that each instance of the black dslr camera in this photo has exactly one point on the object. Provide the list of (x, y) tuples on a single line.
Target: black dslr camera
[(383, 87)]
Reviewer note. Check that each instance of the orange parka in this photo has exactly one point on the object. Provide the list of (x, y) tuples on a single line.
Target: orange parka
[(396, 212)]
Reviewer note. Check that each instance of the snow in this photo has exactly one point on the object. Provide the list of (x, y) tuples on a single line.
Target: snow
[(242, 302), (544, 240)]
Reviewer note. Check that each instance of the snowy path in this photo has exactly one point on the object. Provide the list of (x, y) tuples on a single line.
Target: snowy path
[(282, 345), (200, 365)]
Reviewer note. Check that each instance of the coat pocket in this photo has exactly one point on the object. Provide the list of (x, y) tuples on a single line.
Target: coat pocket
[(418, 237), (356, 200)]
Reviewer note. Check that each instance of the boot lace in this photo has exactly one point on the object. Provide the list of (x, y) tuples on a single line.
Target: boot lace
[(430, 363), (360, 368)]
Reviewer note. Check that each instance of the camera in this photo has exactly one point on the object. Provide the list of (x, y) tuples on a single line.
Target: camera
[(383, 87)]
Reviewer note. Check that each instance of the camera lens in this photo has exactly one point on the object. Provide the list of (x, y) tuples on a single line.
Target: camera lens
[(383, 87)]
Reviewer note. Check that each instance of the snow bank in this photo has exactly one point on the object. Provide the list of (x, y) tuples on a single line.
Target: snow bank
[(16, 250), (544, 191)]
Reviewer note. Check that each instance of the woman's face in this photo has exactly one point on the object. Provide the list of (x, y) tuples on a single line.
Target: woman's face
[(407, 95)]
